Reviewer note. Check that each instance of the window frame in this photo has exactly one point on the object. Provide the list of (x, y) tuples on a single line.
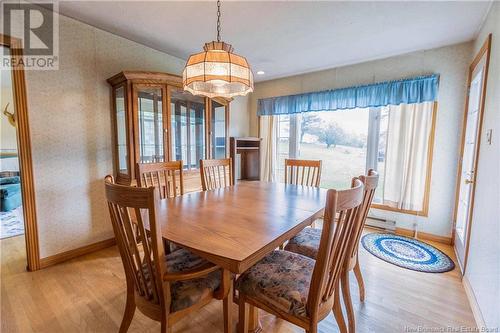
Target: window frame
[(427, 189), (373, 131)]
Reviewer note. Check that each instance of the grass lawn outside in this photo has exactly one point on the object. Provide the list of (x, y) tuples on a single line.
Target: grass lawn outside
[(339, 164)]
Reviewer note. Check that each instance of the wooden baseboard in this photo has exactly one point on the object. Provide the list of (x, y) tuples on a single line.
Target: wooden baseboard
[(60, 257), (476, 311), (425, 236)]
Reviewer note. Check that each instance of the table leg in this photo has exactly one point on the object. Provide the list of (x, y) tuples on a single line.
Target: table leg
[(254, 325), (227, 282)]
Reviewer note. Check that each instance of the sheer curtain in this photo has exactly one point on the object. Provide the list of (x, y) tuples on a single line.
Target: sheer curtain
[(269, 144), (408, 135)]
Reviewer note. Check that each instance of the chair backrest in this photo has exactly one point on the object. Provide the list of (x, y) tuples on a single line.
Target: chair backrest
[(216, 173), (336, 239), (140, 253), (166, 177), (303, 172), (371, 182)]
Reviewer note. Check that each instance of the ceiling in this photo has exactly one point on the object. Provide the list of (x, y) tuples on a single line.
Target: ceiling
[(284, 38)]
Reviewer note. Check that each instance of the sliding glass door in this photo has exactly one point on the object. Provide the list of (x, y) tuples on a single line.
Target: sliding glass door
[(394, 140)]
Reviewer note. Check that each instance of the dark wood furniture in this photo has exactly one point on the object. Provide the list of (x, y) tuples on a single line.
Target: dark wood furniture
[(303, 172), (307, 243), (247, 167), (166, 177), (157, 283), (371, 182), (216, 174), (236, 226), (154, 120), (322, 294)]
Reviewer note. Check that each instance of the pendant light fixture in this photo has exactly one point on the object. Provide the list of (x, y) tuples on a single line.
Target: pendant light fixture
[(217, 71)]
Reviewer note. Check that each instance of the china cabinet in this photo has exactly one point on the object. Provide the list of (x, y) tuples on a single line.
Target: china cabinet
[(155, 120)]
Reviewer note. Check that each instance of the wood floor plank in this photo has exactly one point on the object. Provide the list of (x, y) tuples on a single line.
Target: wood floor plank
[(87, 294)]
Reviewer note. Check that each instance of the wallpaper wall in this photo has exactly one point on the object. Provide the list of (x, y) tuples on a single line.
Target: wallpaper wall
[(451, 63), (7, 131), (69, 112), (483, 270)]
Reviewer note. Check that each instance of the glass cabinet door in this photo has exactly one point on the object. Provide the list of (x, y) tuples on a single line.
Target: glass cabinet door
[(121, 130), (218, 136), (187, 113), (150, 123)]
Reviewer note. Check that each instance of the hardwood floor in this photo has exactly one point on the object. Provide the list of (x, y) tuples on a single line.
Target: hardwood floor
[(87, 294)]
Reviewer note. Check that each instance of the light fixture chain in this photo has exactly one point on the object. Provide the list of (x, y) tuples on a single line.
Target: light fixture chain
[(218, 20)]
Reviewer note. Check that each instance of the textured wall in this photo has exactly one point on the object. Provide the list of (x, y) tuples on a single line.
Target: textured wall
[(69, 112), (451, 62), (70, 123), (239, 117), (7, 131), (483, 269)]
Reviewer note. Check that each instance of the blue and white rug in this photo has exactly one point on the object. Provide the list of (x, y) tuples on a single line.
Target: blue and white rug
[(407, 253), (12, 223)]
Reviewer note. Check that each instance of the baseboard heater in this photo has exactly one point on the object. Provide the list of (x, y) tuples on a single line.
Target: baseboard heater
[(382, 224)]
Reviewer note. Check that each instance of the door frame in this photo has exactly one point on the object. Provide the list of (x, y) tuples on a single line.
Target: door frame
[(25, 156), (484, 51)]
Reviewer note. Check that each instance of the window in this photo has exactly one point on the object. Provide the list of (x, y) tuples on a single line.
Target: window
[(283, 144), (393, 140), (337, 138)]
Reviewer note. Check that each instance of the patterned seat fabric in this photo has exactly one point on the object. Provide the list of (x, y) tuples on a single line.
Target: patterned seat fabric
[(281, 280), (306, 242), (187, 293)]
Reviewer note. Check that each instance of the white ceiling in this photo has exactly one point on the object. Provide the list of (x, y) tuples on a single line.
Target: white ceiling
[(286, 38)]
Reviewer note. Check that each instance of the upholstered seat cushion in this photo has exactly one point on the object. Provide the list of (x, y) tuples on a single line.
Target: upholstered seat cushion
[(281, 280), (306, 242), (187, 293)]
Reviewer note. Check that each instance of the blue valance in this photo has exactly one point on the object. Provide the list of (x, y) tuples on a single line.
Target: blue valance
[(407, 91)]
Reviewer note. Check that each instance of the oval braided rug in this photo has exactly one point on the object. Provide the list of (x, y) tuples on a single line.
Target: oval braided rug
[(407, 253)]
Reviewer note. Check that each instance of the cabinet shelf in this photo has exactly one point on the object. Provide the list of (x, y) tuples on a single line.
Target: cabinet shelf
[(155, 120), (247, 148), (245, 153)]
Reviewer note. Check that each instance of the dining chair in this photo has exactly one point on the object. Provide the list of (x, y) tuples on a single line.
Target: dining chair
[(308, 240), (297, 288), (216, 173), (167, 177), (163, 287), (303, 172)]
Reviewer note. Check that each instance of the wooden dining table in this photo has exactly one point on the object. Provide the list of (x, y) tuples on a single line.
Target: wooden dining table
[(236, 226)]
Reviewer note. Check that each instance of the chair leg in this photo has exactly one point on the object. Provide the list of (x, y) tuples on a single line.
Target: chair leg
[(359, 278), (164, 324), (165, 328), (337, 311), (346, 293), (242, 315), (128, 315), (254, 325), (313, 329)]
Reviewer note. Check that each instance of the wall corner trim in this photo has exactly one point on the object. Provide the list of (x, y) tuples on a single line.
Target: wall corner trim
[(476, 310), (64, 256)]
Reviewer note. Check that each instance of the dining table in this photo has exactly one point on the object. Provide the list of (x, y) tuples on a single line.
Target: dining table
[(236, 226)]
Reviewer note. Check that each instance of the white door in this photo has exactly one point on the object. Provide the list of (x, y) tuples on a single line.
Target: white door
[(467, 175)]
